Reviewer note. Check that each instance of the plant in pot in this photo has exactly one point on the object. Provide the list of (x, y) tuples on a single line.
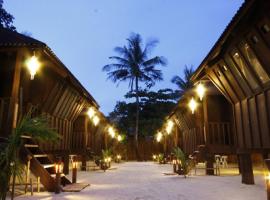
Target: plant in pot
[(11, 166), (106, 159), (183, 165), (161, 158)]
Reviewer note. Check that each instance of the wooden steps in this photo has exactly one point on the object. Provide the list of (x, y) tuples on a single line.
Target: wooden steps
[(41, 165)]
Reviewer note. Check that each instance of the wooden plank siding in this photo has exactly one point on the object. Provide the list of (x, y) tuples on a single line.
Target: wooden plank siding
[(240, 69)]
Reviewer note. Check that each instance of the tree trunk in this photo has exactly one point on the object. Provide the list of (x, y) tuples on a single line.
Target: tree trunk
[(137, 121)]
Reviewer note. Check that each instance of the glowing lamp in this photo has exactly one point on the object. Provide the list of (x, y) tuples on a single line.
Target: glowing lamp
[(118, 157), (119, 138), (91, 112), (159, 136), (154, 157), (33, 65), (200, 91), (111, 132), (169, 127), (58, 167), (74, 164), (192, 105), (96, 120)]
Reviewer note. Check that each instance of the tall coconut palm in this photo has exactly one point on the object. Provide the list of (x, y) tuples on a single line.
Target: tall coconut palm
[(134, 66), (185, 83)]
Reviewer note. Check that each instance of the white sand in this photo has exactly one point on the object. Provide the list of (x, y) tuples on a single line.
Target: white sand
[(145, 181)]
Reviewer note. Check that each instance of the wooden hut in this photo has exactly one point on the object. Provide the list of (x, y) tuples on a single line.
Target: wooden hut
[(54, 92), (238, 65)]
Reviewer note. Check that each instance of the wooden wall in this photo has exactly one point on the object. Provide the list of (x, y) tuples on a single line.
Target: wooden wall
[(242, 73)]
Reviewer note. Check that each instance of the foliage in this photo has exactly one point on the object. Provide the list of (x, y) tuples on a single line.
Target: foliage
[(134, 66), (154, 107), (106, 153), (186, 164), (185, 83), (10, 163), (6, 19), (161, 158)]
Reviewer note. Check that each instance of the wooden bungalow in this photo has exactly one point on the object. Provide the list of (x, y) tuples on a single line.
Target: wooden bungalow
[(238, 65), (55, 93)]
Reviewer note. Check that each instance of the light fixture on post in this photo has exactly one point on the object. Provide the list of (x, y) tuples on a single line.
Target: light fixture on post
[(159, 136), (74, 170), (192, 105), (91, 112), (33, 65), (169, 127), (58, 171), (96, 120), (200, 89)]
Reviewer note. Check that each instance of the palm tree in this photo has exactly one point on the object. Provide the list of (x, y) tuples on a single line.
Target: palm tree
[(185, 83), (10, 163), (134, 65)]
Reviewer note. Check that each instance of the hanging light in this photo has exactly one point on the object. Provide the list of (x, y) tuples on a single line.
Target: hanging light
[(169, 126), (33, 65), (200, 91), (111, 132), (91, 112), (159, 136), (119, 138), (192, 105), (96, 120)]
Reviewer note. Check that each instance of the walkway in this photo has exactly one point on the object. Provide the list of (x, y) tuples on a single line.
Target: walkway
[(145, 181)]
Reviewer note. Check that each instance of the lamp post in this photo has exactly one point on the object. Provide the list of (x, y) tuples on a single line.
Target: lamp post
[(74, 170), (174, 165), (58, 172)]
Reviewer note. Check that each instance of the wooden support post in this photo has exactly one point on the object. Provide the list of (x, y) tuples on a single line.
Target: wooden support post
[(31, 186), (27, 173), (38, 184), (246, 168), (210, 165), (83, 167), (66, 163), (74, 170)]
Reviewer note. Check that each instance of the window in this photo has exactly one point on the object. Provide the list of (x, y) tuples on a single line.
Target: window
[(265, 28), (254, 62), (243, 68)]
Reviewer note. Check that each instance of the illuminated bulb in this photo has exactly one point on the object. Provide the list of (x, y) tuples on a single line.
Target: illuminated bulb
[(119, 138), (154, 157), (33, 66), (169, 127), (200, 91), (159, 136), (118, 157), (192, 105), (111, 132), (91, 112), (96, 120), (267, 177)]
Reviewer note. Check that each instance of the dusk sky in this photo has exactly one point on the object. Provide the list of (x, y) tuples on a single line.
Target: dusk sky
[(83, 34)]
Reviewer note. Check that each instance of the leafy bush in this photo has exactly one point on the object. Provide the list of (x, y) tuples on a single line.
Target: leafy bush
[(185, 165)]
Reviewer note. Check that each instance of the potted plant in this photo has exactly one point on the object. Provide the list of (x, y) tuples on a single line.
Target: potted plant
[(10, 163), (183, 165), (106, 159)]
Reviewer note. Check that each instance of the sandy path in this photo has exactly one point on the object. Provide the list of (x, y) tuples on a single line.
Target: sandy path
[(145, 181)]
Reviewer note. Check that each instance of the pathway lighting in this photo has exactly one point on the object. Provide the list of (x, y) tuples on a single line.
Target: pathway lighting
[(74, 171), (58, 170), (119, 157), (154, 157), (267, 180), (33, 65), (200, 90), (192, 105)]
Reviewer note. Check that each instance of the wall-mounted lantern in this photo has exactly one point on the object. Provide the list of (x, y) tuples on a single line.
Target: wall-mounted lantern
[(33, 65), (192, 105), (91, 112), (169, 127), (159, 136), (200, 89), (96, 120)]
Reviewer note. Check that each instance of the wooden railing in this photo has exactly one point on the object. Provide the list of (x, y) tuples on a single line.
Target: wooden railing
[(218, 133)]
